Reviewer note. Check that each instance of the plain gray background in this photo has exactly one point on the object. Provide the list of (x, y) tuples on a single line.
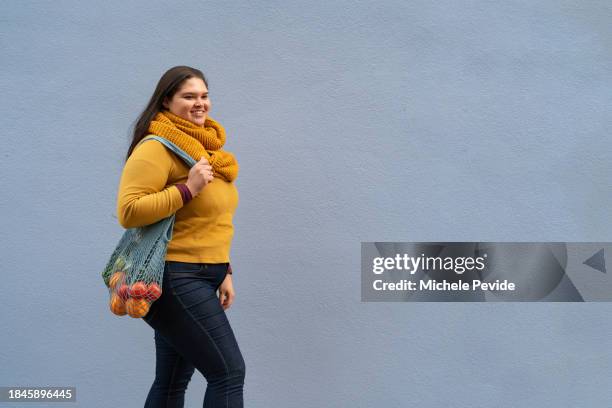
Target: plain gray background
[(352, 121)]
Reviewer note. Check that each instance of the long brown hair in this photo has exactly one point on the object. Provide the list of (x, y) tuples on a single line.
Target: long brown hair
[(167, 86)]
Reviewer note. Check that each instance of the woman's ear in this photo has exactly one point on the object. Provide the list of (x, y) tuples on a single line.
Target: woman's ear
[(165, 102)]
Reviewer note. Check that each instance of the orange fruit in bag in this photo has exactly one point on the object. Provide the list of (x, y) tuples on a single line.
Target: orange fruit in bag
[(153, 292), (123, 291), (137, 307), (117, 278), (138, 290), (117, 305)]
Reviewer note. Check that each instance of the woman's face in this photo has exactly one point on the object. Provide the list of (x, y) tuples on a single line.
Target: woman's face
[(190, 102)]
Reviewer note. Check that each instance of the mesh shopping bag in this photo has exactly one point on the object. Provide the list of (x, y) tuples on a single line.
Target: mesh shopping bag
[(135, 270)]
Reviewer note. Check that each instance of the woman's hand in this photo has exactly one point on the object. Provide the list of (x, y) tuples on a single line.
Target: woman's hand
[(199, 176), (226, 292)]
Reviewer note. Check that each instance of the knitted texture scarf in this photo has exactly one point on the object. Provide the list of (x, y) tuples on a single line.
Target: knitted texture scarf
[(197, 141)]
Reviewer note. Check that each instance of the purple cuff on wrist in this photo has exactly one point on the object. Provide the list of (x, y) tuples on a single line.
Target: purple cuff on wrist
[(185, 193)]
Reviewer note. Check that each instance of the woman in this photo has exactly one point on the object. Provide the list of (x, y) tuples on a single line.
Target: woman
[(191, 328)]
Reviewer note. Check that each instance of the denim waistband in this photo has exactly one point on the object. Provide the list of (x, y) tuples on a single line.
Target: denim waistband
[(191, 267), (178, 263)]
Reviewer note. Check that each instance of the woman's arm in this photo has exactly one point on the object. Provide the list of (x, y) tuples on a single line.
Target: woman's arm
[(143, 198)]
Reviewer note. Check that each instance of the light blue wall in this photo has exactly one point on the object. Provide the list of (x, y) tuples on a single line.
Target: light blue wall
[(352, 121)]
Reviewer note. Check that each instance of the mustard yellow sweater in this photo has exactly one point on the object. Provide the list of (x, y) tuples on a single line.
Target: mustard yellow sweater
[(203, 228)]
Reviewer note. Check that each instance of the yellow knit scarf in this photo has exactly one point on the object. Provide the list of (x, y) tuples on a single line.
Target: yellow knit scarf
[(197, 141)]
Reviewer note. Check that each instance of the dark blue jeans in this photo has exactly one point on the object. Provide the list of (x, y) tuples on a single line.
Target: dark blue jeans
[(192, 331)]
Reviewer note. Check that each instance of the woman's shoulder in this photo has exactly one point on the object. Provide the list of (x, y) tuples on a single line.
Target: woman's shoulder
[(151, 150), (151, 146)]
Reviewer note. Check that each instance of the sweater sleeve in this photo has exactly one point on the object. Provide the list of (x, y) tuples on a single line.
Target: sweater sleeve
[(143, 197)]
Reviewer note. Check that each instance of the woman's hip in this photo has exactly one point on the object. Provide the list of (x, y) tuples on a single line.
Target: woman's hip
[(189, 288)]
